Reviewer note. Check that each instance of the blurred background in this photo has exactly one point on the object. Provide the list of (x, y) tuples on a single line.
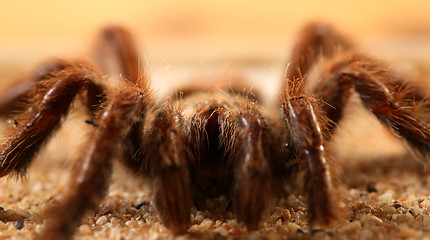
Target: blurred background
[(36, 30), (200, 33)]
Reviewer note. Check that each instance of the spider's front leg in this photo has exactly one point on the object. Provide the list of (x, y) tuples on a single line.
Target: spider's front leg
[(305, 124), (51, 102), (255, 150), (89, 186), (11, 96), (166, 164)]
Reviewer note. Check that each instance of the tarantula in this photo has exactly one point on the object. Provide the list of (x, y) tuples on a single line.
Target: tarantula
[(205, 142)]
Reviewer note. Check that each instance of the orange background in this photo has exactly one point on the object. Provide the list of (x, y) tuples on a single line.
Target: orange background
[(31, 31), (210, 18)]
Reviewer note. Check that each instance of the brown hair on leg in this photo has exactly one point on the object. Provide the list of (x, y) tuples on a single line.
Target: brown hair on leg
[(116, 44), (51, 103), (257, 148), (379, 92), (334, 90), (11, 96), (305, 123), (375, 85), (167, 164), (315, 40), (89, 186)]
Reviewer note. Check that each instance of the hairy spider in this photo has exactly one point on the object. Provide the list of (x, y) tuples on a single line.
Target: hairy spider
[(206, 142)]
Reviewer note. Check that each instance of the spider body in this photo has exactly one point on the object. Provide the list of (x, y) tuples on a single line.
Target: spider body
[(221, 137), (204, 142)]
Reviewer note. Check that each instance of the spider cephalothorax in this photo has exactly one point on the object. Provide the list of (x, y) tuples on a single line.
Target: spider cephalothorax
[(207, 142)]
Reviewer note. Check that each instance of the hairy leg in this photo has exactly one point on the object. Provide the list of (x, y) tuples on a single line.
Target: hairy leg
[(378, 91), (257, 150), (115, 44), (305, 123), (89, 185), (116, 53), (11, 96), (167, 158), (53, 97), (315, 40)]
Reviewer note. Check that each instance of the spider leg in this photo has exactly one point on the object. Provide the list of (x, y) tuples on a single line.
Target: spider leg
[(256, 150), (116, 44), (12, 95), (89, 185), (51, 103), (167, 158), (376, 88), (116, 53), (305, 123), (315, 40)]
